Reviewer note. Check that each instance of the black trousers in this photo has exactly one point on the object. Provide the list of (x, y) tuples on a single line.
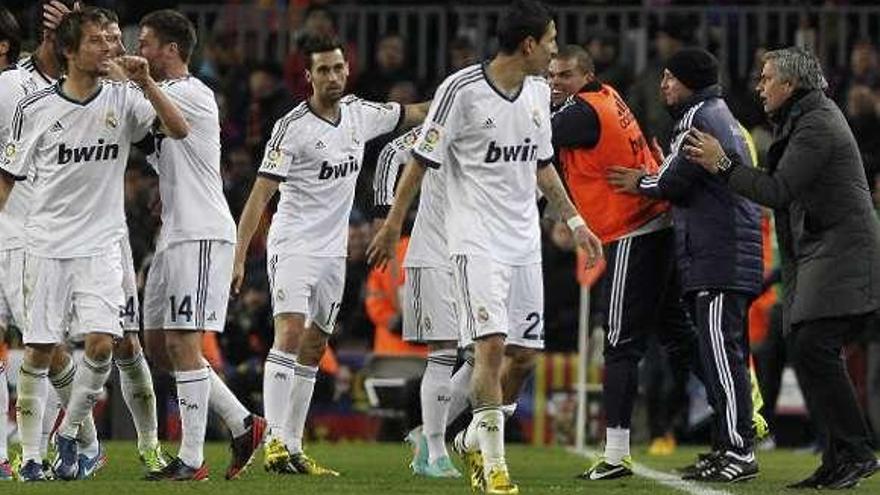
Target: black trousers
[(643, 299), (721, 320), (828, 390)]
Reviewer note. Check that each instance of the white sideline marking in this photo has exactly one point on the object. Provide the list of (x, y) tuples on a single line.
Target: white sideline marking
[(665, 479)]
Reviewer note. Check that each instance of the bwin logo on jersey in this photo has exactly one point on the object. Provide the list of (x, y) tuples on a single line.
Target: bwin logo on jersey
[(335, 171), (87, 153), (525, 152)]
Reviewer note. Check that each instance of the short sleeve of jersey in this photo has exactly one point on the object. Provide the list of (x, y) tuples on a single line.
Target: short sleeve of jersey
[(141, 113), (379, 118), (545, 135), (278, 155), (20, 143), (437, 132), (394, 155), (7, 105)]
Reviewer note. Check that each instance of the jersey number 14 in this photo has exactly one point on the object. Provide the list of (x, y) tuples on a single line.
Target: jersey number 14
[(183, 310)]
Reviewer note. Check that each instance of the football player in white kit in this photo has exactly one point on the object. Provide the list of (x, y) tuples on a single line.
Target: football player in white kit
[(66, 137), (31, 74), (136, 381), (10, 43), (187, 288), (313, 157), (430, 314), (489, 130)]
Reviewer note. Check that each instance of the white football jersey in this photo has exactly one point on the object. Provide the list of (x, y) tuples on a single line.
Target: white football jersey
[(75, 153), (16, 83), (190, 185), (318, 162), (490, 146), (427, 244)]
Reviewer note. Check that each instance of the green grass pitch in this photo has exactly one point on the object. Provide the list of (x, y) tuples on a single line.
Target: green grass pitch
[(371, 468)]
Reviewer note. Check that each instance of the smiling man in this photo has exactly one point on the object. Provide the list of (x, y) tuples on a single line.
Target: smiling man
[(75, 136), (593, 131), (570, 70)]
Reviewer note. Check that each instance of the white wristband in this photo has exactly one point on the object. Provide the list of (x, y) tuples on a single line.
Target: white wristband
[(575, 222)]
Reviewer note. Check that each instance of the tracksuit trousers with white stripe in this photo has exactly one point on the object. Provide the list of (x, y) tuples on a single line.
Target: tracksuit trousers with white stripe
[(641, 290), (721, 320)]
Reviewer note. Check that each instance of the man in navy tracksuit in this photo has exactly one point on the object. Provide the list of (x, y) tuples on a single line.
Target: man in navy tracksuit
[(718, 246)]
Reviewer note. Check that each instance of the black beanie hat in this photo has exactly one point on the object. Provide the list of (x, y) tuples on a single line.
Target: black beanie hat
[(694, 67)]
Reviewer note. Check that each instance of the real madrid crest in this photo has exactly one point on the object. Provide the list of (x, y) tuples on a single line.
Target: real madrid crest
[(110, 121), (536, 118), (482, 314)]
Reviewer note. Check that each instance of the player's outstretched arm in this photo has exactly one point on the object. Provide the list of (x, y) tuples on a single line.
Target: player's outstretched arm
[(415, 113), (137, 70), (551, 185), (261, 193), (384, 245)]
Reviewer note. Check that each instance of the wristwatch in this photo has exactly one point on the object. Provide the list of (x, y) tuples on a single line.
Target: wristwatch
[(723, 164)]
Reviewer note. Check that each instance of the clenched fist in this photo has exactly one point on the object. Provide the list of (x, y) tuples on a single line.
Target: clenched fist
[(136, 69)]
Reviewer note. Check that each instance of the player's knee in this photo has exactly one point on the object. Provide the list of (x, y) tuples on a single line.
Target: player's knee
[(99, 347), (184, 349), (128, 346), (521, 359), (489, 352), (289, 329), (38, 355)]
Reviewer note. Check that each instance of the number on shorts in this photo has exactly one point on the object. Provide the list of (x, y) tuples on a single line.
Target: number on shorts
[(184, 309), (128, 311), (534, 319)]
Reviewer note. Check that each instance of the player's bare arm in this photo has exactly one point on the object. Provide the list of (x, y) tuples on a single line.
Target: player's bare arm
[(414, 114), (7, 182), (384, 244), (261, 193), (137, 70), (551, 185)]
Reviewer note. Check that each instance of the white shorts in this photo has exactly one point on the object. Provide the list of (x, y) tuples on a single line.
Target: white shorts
[(82, 294), (11, 278), (430, 312), (308, 285), (130, 314), (188, 285), (499, 299)]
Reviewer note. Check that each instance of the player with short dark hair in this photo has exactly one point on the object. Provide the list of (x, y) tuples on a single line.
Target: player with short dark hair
[(489, 133), (73, 246), (313, 158), (187, 288)]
